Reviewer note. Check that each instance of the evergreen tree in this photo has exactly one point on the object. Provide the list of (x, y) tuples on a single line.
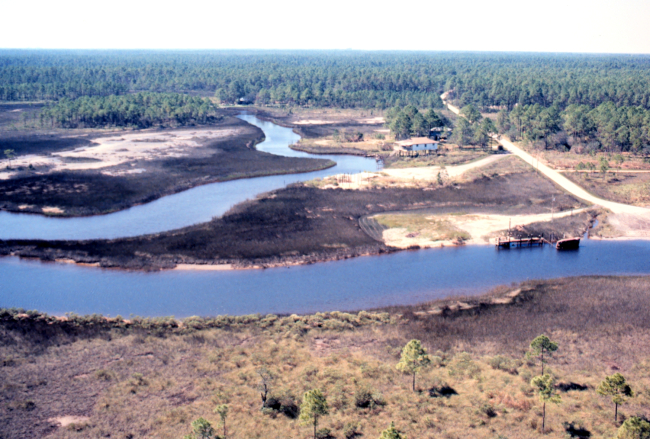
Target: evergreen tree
[(414, 357), (544, 386), (542, 345), (616, 387), (314, 405)]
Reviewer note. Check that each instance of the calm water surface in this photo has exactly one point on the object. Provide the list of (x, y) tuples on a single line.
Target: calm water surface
[(361, 283)]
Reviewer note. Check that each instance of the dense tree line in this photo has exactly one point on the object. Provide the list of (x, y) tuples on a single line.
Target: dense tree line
[(333, 78), (138, 109), (408, 121), (605, 127)]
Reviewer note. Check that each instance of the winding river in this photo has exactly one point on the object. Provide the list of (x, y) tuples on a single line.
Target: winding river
[(361, 283)]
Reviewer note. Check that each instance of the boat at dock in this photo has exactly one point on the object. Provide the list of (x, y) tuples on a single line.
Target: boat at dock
[(568, 244)]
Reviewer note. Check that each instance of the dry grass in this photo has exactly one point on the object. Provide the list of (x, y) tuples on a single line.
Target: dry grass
[(424, 226), (623, 187), (154, 382), (448, 156)]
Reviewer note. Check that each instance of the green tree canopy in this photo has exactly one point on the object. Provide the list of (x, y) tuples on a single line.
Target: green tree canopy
[(314, 405), (414, 357), (616, 387), (201, 429), (471, 113), (391, 433), (542, 345), (222, 411), (544, 386)]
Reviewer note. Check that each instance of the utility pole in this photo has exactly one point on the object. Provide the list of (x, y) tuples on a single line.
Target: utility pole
[(552, 208)]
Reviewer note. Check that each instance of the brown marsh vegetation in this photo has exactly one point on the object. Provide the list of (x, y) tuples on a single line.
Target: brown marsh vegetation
[(152, 378), (299, 224)]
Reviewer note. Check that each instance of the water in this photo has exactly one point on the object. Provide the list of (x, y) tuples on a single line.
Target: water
[(361, 283), (186, 208)]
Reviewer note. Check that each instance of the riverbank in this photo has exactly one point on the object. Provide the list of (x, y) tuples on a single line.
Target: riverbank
[(97, 371), (300, 225), (130, 169)]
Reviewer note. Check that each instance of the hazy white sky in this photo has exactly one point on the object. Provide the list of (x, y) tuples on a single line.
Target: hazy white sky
[(620, 26)]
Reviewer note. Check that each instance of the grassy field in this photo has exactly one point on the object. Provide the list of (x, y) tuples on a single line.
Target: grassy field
[(623, 187), (152, 378)]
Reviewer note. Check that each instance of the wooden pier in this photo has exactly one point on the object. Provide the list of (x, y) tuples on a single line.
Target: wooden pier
[(535, 241)]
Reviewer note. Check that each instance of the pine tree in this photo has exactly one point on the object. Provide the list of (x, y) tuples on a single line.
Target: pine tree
[(616, 387), (414, 357)]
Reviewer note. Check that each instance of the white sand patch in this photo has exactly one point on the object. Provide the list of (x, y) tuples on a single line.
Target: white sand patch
[(25, 206), (50, 209), (16, 111), (430, 173), (314, 122), (480, 227), (372, 120), (385, 131), (204, 267), (112, 151), (64, 421), (406, 176), (125, 172)]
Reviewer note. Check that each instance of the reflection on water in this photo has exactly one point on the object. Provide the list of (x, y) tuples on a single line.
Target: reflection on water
[(361, 283)]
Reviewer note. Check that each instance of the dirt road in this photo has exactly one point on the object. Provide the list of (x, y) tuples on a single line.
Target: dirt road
[(564, 182)]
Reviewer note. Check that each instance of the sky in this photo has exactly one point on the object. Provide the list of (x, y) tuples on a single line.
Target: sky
[(594, 26)]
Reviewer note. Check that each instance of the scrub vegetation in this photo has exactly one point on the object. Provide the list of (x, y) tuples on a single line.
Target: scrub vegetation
[(473, 360)]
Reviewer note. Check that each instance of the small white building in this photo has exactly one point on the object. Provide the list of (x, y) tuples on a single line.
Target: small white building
[(419, 144)]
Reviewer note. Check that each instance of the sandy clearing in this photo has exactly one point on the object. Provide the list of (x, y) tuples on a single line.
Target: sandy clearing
[(64, 421), (430, 173), (112, 151), (480, 227), (407, 176), (372, 121)]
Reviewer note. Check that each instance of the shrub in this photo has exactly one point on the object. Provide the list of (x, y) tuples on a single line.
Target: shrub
[(499, 362), (366, 397), (104, 375), (634, 428), (351, 430), (463, 365), (284, 403), (488, 410), (324, 433)]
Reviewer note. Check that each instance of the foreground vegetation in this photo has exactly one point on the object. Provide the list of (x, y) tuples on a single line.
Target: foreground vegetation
[(155, 377)]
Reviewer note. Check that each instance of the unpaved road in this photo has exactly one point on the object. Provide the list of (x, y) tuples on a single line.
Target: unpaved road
[(564, 182)]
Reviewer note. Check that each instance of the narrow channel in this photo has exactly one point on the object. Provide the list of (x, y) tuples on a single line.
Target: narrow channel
[(361, 283), (193, 206)]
